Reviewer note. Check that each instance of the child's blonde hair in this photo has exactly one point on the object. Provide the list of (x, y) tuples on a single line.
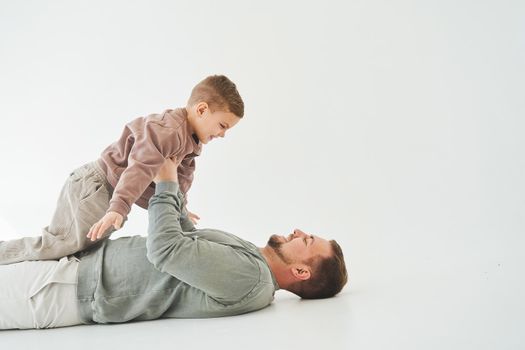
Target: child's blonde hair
[(220, 93)]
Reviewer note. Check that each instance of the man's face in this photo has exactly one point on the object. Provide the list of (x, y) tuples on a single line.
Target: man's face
[(210, 124), (298, 247)]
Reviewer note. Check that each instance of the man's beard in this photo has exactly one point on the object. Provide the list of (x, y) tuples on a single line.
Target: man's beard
[(274, 243)]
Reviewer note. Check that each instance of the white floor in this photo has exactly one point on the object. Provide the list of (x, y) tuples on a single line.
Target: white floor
[(439, 302)]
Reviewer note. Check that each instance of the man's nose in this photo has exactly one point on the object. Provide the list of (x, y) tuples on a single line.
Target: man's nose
[(298, 233)]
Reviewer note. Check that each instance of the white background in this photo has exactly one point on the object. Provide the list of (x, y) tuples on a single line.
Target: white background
[(395, 127)]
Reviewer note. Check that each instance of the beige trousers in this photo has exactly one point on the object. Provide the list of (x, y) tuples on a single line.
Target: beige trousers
[(83, 201), (39, 294)]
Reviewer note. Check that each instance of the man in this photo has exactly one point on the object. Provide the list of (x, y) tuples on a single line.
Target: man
[(176, 271)]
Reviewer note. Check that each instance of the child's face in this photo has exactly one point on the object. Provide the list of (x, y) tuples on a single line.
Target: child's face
[(209, 125)]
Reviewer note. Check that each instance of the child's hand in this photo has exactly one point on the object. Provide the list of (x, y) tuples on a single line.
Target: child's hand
[(110, 219), (168, 172), (193, 217)]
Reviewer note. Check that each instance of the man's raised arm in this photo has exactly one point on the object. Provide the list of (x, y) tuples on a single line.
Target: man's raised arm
[(203, 264)]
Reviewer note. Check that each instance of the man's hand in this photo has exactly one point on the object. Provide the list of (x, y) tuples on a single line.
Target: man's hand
[(193, 217), (168, 172), (110, 219)]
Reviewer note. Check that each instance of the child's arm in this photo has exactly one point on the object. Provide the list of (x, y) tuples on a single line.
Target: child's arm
[(111, 218), (153, 142)]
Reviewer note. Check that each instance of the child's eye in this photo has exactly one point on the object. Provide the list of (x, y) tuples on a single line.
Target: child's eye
[(223, 126)]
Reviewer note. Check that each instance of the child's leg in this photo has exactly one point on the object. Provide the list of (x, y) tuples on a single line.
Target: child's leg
[(83, 201), (39, 294)]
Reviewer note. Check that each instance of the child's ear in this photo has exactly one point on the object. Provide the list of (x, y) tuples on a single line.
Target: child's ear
[(201, 108)]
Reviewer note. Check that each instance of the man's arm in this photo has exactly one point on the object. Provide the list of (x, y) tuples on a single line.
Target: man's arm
[(185, 172), (185, 222), (219, 270)]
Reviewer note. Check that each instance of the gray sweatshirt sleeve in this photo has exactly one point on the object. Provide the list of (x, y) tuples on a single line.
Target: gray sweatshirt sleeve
[(185, 222), (225, 273)]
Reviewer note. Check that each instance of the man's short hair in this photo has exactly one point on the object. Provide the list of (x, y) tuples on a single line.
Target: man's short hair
[(220, 93), (329, 276)]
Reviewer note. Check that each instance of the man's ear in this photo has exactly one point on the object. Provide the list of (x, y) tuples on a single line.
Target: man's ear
[(301, 272)]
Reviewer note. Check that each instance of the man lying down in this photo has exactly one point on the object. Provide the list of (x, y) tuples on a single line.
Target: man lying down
[(176, 271)]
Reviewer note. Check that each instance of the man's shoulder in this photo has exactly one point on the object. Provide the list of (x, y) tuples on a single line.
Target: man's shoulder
[(223, 237), (246, 248)]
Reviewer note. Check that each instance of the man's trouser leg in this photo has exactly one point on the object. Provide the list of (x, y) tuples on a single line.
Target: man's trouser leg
[(83, 201), (39, 294)]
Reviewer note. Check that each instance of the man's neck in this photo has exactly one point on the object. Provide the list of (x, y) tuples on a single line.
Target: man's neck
[(277, 267)]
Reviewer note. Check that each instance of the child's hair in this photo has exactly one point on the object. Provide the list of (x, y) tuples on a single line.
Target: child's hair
[(220, 93)]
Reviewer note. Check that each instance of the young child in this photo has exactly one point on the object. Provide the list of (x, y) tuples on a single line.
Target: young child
[(97, 197)]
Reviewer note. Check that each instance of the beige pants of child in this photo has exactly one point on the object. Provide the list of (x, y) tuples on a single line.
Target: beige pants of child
[(39, 294), (83, 201)]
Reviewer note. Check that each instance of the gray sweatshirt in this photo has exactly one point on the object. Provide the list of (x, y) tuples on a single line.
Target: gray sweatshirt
[(171, 273)]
